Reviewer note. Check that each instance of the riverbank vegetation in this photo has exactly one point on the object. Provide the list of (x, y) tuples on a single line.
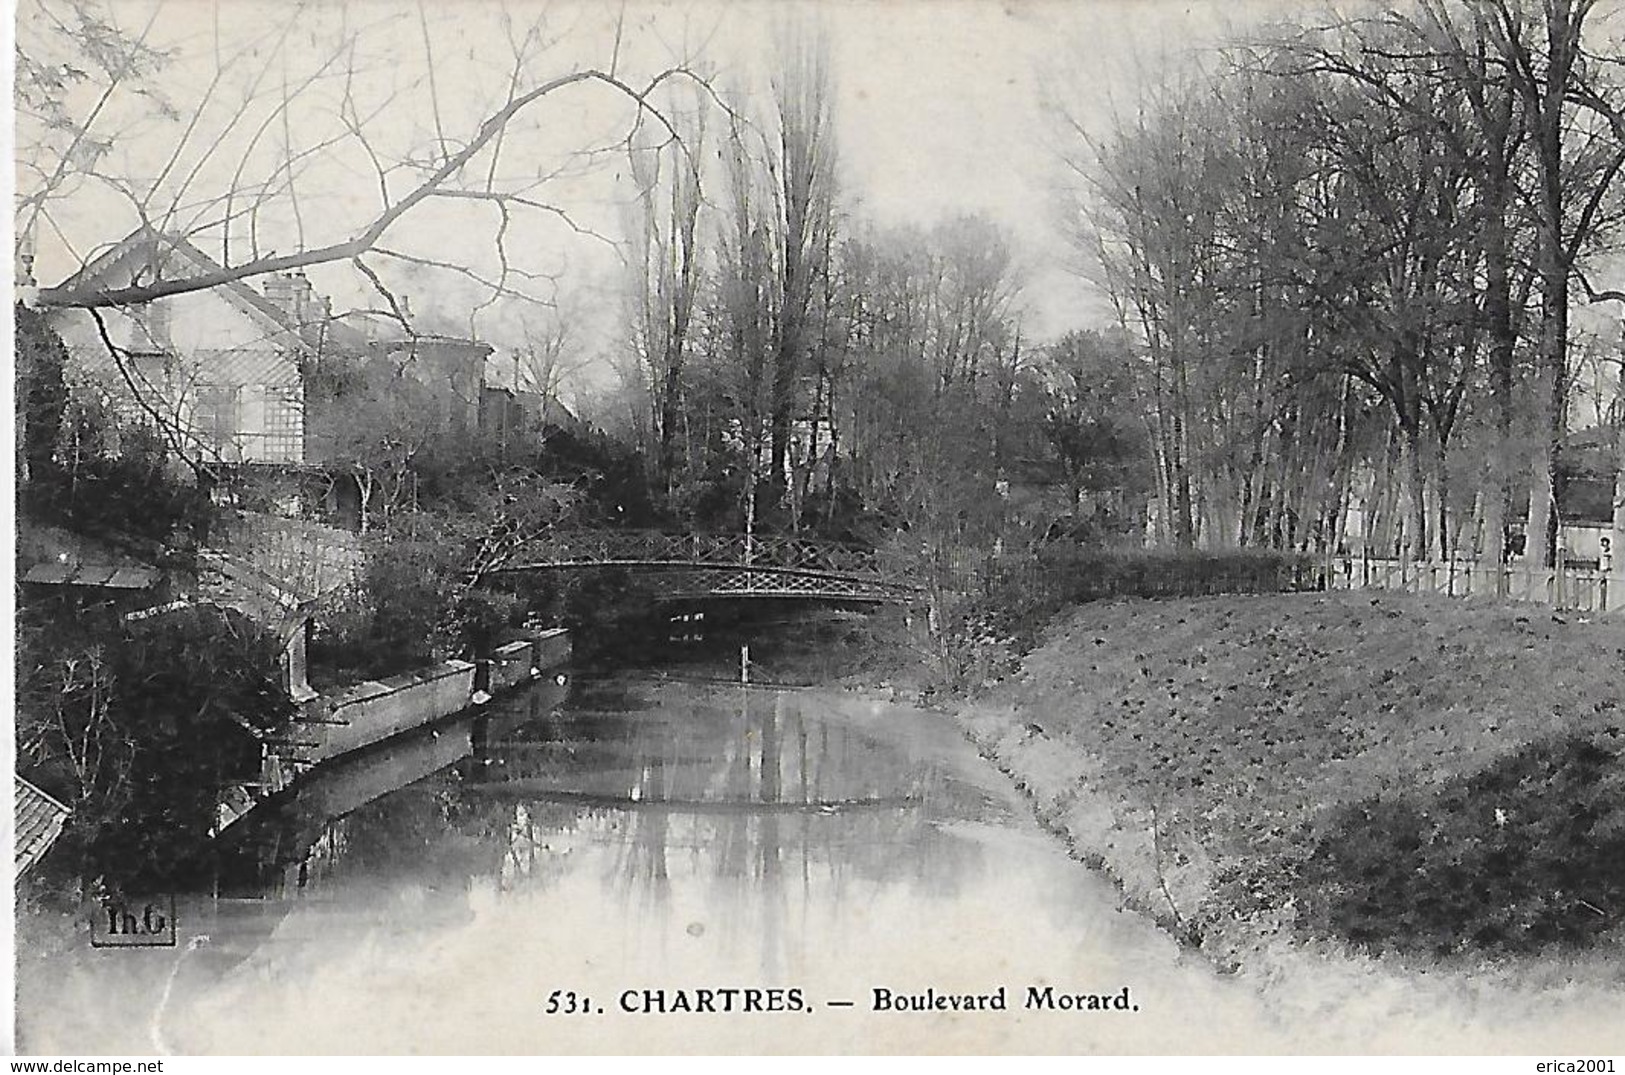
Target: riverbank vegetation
[(136, 725), (1393, 774)]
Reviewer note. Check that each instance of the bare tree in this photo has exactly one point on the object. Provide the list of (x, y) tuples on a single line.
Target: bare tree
[(73, 64), (1353, 214), (242, 150), (803, 174), (667, 260), (1577, 142), (552, 350)]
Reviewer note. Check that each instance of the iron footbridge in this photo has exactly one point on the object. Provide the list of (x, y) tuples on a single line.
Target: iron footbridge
[(714, 565)]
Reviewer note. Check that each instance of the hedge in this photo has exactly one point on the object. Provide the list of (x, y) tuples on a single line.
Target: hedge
[(1066, 575)]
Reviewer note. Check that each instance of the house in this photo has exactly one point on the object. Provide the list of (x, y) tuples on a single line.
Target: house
[(373, 409), (515, 418), (220, 367), (267, 382), (1591, 499), (436, 378), (39, 821)]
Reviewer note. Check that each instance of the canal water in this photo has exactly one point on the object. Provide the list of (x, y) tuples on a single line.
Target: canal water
[(659, 860), (650, 861)]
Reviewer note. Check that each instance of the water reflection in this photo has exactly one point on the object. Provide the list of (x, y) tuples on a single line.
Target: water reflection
[(755, 792), (624, 835), (642, 835), (377, 812)]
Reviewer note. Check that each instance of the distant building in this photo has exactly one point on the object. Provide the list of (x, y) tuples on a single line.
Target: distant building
[(1591, 499), (516, 418), (444, 371)]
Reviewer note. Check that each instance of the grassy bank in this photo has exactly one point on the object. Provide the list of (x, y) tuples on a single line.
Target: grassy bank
[(1422, 778)]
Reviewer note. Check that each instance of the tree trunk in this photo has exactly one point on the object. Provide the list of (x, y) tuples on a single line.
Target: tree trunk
[(1538, 520), (1416, 493), (1541, 529), (1442, 463), (1617, 545), (1497, 491)]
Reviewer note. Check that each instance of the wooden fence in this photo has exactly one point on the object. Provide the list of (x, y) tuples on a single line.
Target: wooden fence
[(1563, 587)]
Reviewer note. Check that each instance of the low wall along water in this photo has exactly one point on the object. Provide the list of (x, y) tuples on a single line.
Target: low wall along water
[(365, 713), (361, 714)]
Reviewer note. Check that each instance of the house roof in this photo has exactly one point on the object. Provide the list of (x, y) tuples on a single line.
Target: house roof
[(386, 330), (271, 368), (176, 257), (39, 822), (58, 557), (1598, 436), (162, 251), (1591, 453), (104, 576), (1587, 500)]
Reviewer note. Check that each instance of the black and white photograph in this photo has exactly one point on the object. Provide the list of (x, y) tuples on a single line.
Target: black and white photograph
[(802, 527)]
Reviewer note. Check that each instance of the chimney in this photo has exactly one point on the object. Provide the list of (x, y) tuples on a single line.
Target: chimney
[(279, 290), (292, 294), (25, 257), (304, 304)]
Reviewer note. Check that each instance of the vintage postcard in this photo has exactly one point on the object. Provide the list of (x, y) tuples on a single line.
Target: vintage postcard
[(844, 526)]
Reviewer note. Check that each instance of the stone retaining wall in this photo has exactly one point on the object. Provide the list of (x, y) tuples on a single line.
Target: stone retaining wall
[(365, 713)]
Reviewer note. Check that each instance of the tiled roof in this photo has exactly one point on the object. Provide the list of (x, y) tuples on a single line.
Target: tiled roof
[(240, 367), (39, 821), (165, 251), (177, 252)]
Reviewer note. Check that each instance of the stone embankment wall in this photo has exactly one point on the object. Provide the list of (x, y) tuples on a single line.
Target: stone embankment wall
[(362, 714)]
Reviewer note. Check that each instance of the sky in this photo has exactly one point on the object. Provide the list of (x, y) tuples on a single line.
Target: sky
[(941, 108)]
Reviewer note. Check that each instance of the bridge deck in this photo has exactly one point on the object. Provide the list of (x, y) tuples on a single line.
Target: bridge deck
[(724, 565)]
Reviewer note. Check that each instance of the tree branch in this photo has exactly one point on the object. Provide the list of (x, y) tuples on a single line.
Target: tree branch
[(369, 237)]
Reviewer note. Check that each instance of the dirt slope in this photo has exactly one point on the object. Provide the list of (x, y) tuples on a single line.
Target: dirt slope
[(1435, 780)]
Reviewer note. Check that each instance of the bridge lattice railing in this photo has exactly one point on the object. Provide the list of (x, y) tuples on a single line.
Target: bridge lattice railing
[(780, 551)]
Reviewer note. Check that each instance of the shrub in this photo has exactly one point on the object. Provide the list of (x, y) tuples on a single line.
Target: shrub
[(1526, 852), (93, 471), (1078, 573), (138, 726), (1007, 603)]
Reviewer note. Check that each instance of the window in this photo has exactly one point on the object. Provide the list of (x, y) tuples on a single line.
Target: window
[(216, 422), (283, 425)]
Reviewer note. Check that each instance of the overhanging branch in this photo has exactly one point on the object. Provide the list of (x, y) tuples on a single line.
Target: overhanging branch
[(369, 237), (1593, 295)]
